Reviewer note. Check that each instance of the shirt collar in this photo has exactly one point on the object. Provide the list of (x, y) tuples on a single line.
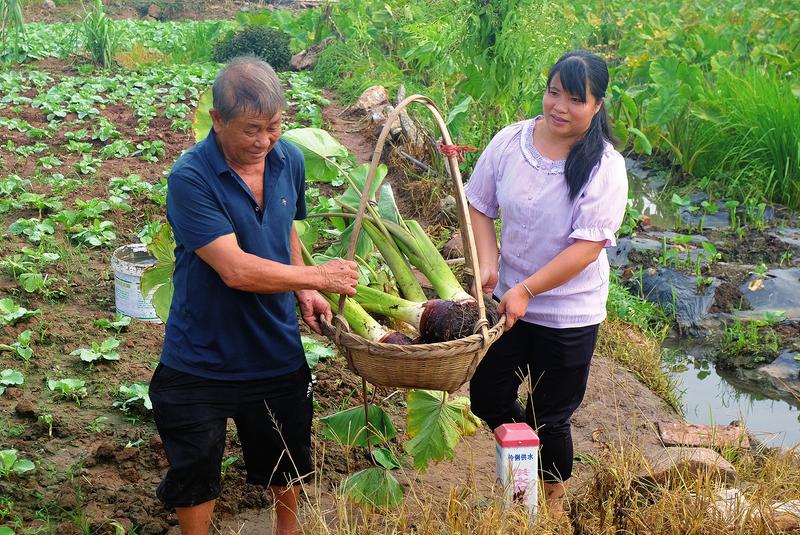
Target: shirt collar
[(217, 160)]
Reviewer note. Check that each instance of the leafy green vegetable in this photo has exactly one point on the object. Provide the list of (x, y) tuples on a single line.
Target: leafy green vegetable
[(315, 351), (375, 487), (8, 378), (11, 465), (347, 427)]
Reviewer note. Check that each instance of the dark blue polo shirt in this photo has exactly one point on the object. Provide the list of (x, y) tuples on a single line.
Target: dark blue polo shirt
[(213, 330)]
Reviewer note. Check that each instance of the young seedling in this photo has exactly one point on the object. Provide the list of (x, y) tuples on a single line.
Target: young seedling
[(11, 465), (136, 395), (100, 234), (118, 324), (9, 377), (98, 425), (21, 349), (99, 351), (11, 313), (316, 351), (227, 463), (731, 206), (46, 420), (73, 389)]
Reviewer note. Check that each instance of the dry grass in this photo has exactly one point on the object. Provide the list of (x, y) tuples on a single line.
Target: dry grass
[(641, 354)]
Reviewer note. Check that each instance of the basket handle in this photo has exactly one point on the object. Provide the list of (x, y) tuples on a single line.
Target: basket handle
[(470, 252)]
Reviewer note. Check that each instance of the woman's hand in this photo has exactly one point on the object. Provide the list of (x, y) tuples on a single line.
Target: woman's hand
[(514, 304), (489, 279)]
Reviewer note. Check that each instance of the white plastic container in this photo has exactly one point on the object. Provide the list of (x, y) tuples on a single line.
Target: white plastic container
[(128, 263), (517, 468)]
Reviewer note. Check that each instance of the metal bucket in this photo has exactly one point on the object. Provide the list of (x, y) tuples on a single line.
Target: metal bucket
[(128, 263)]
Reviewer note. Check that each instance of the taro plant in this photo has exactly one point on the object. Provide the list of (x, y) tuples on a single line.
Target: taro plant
[(87, 165), (13, 466), (48, 421), (150, 151), (106, 350), (71, 389), (683, 205), (21, 349), (33, 229), (135, 395), (732, 205), (9, 377), (316, 351), (707, 208)]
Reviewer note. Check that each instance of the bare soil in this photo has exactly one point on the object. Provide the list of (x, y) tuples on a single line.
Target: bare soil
[(98, 464)]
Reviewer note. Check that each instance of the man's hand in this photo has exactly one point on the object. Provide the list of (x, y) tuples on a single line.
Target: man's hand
[(514, 304), (338, 276), (312, 306)]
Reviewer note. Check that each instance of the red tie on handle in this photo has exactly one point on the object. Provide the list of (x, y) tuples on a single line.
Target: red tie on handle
[(455, 151)]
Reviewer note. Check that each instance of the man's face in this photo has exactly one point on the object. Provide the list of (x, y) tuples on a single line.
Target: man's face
[(246, 139)]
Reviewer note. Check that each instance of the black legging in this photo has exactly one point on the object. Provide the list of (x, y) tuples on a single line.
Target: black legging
[(557, 361)]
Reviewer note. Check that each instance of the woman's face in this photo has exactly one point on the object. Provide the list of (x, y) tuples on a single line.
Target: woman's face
[(566, 116)]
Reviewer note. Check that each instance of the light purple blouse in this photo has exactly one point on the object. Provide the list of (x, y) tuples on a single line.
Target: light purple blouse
[(539, 221)]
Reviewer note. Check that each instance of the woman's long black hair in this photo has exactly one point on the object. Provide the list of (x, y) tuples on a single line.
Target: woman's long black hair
[(576, 69)]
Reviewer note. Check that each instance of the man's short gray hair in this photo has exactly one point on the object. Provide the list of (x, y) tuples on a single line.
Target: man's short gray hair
[(247, 85)]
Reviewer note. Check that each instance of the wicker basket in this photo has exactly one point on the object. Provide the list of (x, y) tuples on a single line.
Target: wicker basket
[(441, 366)]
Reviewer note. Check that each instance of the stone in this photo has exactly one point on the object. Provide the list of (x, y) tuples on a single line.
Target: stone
[(729, 504), (787, 235), (25, 409), (786, 515), (154, 11), (707, 436), (49, 5), (686, 463), (307, 59), (378, 117), (454, 248), (371, 98)]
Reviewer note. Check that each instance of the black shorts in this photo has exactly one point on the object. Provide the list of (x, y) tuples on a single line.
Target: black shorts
[(273, 421)]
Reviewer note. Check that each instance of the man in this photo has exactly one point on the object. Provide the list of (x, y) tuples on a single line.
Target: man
[(232, 346)]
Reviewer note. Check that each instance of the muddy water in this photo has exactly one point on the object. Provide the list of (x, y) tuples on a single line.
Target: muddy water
[(712, 396)]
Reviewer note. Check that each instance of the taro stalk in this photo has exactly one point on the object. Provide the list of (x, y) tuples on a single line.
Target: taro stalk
[(682, 204), (731, 205)]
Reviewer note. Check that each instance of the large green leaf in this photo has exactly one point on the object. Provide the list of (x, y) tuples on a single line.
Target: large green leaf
[(664, 107), (347, 427), (201, 123), (640, 141), (664, 71), (11, 377), (436, 423), (458, 115), (387, 206), (162, 300), (375, 487), (358, 175), (320, 150), (163, 245), (315, 351)]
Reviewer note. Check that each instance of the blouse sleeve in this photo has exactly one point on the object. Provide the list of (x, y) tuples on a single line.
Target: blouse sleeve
[(481, 190), (601, 208)]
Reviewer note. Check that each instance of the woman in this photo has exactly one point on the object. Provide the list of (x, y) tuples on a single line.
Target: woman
[(562, 191)]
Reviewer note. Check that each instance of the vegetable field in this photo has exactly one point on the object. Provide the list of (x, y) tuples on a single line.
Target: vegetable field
[(98, 103)]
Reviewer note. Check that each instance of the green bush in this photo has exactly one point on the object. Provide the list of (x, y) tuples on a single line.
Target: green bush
[(269, 44)]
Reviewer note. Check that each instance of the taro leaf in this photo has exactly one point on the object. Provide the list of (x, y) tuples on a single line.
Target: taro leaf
[(358, 175), (134, 392), (664, 71), (666, 106), (386, 458), (320, 149), (375, 487), (387, 206), (458, 115), (347, 426), (201, 122), (315, 351), (6, 531), (640, 142), (435, 425), (308, 233), (159, 275), (10, 377)]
